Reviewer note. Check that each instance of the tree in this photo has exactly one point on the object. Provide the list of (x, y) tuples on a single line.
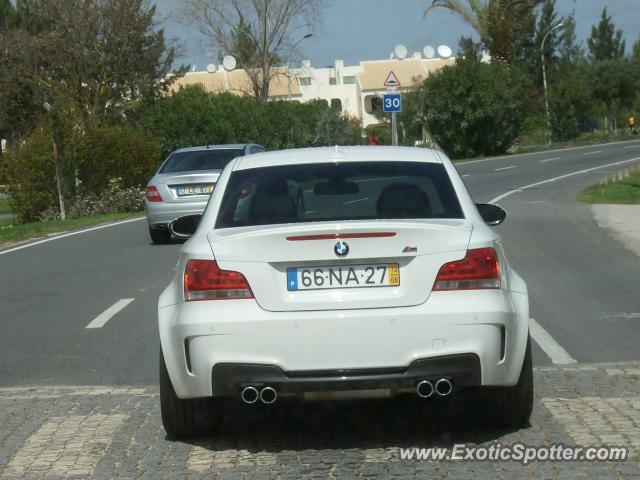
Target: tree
[(504, 26), (605, 42), (569, 49), (635, 51), (87, 60), (256, 32), (474, 108), (7, 15), (614, 83)]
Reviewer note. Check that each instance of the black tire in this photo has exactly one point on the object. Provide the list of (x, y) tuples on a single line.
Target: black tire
[(511, 407), (159, 237), (189, 418)]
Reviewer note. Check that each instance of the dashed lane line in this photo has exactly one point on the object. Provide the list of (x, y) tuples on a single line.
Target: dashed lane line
[(553, 349), (592, 153), (550, 180), (105, 316), (504, 168), (550, 159)]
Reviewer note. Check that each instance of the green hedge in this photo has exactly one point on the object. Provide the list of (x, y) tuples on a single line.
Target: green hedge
[(115, 152), (29, 173)]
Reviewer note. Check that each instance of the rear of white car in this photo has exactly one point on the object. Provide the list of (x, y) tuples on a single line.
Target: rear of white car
[(388, 282)]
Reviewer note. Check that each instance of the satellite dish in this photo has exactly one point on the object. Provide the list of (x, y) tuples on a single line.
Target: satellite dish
[(400, 51), (229, 63), (444, 51), (392, 56), (429, 51), (211, 68), (194, 68)]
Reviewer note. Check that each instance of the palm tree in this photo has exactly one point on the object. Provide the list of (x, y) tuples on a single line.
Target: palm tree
[(501, 24)]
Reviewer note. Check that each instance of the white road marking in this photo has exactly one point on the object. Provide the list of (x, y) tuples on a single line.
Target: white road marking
[(631, 146), (504, 168), (467, 175), (592, 153), (550, 159), (105, 316), (553, 349), (356, 201), (78, 232), (550, 180)]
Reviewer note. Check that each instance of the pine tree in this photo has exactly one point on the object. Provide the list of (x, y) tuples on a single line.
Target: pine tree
[(606, 42), (569, 48)]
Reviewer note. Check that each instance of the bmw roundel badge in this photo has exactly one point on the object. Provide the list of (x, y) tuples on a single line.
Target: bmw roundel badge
[(341, 248)]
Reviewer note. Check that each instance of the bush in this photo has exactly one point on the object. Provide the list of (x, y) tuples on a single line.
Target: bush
[(473, 108), (30, 175), (115, 199), (115, 152), (193, 117)]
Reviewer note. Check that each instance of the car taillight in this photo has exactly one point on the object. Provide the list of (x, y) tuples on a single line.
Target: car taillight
[(480, 268), (152, 194), (203, 280)]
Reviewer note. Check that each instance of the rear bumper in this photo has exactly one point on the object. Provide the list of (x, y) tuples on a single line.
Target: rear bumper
[(200, 338), (229, 379), (163, 213)]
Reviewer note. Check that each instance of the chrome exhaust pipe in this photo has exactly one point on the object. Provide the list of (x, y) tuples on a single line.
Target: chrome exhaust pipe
[(444, 387), (268, 395), (424, 389), (250, 395)]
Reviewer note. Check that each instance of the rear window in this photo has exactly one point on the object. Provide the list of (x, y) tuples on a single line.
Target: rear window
[(200, 160), (337, 191)]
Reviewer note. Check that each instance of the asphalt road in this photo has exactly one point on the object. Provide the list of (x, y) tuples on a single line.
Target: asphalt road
[(580, 280)]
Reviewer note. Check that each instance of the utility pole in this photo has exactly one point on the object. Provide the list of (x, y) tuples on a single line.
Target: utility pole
[(544, 81), (308, 35)]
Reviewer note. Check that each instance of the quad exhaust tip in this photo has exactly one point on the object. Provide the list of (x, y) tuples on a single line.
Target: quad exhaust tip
[(444, 387), (424, 389), (268, 395), (250, 395)]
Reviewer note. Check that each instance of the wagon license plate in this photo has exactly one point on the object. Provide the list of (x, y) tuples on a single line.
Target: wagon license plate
[(195, 190), (343, 276)]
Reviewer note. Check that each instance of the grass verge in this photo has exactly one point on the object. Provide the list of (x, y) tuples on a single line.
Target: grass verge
[(26, 231), (623, 191)]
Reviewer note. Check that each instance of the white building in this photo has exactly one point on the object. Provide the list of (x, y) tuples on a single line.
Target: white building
[(355, 90)]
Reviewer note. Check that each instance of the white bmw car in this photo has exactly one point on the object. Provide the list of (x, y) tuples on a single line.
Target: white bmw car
[(389, 281)]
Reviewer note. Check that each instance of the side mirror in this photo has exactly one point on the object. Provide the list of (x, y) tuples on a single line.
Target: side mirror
[(492, 214), (184, 227)]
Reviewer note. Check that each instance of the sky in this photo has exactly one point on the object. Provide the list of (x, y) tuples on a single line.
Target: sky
[(355, 30)]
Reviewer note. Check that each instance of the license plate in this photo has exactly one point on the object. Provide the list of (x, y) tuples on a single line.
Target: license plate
[(343, 276), (195, 190)]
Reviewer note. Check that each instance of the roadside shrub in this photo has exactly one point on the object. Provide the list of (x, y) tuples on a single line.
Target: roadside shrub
[(116, 198), (193, 117), (115, 152), (474, 108), (30, 175)]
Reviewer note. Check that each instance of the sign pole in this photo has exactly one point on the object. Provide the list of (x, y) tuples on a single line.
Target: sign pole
[(394, 129)]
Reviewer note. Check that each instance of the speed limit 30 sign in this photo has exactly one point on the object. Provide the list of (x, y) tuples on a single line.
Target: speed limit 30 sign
[(391, 102)]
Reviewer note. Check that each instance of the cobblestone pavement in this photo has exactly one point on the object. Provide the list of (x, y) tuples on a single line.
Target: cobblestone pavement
[(90, 432)]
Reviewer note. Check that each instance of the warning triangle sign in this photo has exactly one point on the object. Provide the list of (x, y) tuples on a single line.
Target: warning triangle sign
[(392, 80)]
